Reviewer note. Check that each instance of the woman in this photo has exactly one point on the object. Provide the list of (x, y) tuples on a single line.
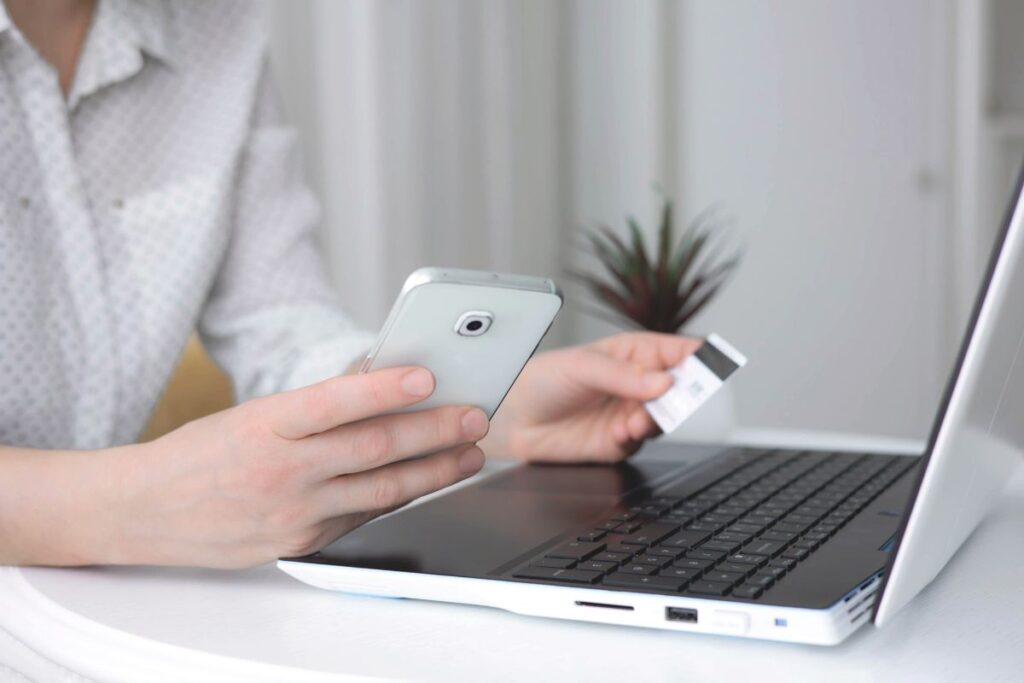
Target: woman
[(149, 188)]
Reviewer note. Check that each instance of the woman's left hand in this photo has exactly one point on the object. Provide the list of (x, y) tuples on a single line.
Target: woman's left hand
[(585, 403)]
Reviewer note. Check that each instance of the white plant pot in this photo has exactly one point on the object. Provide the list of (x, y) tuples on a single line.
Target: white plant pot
[(714, 422)]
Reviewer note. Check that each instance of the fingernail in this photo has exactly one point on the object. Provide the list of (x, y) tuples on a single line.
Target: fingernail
[(471, 461), (418, 383), (657, 381), (474, 424)]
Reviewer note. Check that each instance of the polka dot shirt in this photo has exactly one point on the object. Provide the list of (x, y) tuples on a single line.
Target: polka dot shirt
[(163, 194)]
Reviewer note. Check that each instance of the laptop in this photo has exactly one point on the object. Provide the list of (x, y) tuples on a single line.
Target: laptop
[(780, 544)]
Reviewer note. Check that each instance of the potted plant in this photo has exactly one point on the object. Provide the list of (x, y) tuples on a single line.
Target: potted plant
[(662, 290)]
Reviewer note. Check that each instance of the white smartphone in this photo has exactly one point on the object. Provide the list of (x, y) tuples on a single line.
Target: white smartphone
[(474, 330)]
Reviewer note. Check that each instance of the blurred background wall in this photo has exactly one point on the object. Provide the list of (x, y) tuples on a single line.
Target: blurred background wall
[(864, 150)]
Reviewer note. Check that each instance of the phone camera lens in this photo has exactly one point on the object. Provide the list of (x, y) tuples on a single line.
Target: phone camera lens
[(473, 323)]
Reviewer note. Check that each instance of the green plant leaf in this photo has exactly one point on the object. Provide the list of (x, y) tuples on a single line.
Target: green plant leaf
[(613, 262), (685, 258), (639, 251), (629, 264), (695, 308), (596, 286), (704, 288), (659, 290)]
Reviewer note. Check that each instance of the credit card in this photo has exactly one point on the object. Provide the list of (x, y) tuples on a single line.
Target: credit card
[(696, 380)]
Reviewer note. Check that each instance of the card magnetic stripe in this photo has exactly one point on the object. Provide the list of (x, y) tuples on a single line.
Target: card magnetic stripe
[(716, 361)]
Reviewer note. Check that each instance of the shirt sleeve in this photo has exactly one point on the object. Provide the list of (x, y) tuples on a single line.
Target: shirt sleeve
[(273, 321)]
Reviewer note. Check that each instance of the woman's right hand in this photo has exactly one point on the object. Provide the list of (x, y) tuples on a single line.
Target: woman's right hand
[(284, 475)]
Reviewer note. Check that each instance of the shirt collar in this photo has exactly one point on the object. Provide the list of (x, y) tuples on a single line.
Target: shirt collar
[(122, 32), (5, 21), (148, 27), (146, 21)]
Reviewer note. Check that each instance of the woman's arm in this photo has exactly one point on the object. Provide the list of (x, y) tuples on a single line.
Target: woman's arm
[(279, 476), (55, 505), (273, 320)]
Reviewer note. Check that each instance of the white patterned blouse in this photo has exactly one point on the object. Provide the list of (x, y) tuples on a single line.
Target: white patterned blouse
[(161, 195)]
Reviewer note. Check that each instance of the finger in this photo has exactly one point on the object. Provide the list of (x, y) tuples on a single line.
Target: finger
[(314, 409), (616, 377), (652, 350), (383, 440), (641, 426), (396, 484)]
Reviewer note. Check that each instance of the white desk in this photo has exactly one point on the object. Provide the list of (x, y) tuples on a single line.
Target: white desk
[(145, 624)]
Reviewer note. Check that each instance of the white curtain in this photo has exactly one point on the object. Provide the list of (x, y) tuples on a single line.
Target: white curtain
[(486, 133), (473, 133)]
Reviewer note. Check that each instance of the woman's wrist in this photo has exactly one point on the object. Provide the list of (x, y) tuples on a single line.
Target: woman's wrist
[(63, 507)]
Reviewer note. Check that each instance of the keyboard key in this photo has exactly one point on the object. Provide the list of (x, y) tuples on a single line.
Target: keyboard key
[(577, 550), (760, 547), (687, 538), (617, 558), (650, 534), (554, 562), (729, 537), (623, 549), (729, 567), (626, 516), (692, 507), (610, 525), (643, 569), (784, 536), (657, 560), (757, 520), (703, 553), (801, 519), (591, 536), (773, 571), (692, 563), (677, 518), (708, 588), (784, 562), (763, 580), (748, 529), (595, 566), (659, 583), (672, 553), (747, 558), (721, 546), (796, 553), (722, 577), (680, 572), (720, 520), (747, 591), (549, 574), (626, 528)]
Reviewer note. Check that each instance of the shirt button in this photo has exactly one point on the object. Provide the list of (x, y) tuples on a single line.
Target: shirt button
[(25, 202), (118, 203)]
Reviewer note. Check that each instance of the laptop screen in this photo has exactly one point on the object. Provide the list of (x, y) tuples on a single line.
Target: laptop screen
[(978, 434)]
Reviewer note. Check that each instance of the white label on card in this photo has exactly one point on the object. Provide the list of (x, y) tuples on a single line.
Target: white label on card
[(696, 380)]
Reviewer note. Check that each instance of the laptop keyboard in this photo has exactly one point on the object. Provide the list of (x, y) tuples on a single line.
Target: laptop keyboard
[(738, 536)]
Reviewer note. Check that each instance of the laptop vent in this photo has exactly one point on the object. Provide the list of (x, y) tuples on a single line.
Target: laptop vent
[(860, 601)]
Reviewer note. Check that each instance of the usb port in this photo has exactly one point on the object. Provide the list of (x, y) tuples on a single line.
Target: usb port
[(681, 614)]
